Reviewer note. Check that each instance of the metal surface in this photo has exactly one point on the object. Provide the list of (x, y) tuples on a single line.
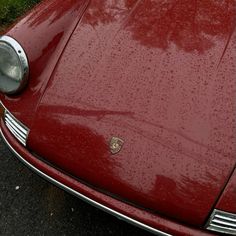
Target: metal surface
[(40, 208), (227, 201), (23, 60), (43, 33), (81, 196), (122, 75), (19, 130), (222, 222), (144, 71)]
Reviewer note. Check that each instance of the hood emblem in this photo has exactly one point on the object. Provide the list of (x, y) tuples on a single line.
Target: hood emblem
[(116, 145)]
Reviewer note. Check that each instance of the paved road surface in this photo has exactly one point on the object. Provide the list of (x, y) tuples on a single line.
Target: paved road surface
[(31, 206)]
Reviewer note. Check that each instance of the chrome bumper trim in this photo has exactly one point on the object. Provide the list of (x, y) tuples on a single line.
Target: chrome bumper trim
[(83, 197)]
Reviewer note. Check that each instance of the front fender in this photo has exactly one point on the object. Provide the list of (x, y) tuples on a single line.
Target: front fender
[(43, 34)]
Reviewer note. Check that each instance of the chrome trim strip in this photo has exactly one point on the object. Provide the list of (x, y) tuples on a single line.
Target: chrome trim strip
[(15, 134), (219, 228), (15, 123), (222, 222), (19, 130), (83, 197), (14, 128), (225, 218), (1, 104)]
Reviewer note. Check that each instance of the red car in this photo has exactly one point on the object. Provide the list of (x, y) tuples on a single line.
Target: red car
[(129, 105)]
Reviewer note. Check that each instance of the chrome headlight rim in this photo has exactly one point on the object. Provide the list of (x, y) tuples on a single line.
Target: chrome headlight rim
[(20, 53)]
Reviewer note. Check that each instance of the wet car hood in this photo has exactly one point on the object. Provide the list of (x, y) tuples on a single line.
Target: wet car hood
[(160, 76)]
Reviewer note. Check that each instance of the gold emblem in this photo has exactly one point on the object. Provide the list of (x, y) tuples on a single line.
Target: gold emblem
[(116, 145)]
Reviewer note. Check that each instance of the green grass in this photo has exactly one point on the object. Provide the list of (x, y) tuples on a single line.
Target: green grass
[(11, 9)]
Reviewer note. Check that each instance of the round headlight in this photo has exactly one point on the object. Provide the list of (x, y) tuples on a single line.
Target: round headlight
[(14, 67)]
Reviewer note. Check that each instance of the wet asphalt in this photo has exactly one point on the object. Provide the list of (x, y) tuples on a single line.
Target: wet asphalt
[(29, 205)]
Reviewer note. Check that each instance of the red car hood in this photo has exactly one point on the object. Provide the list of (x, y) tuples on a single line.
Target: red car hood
[(160, 75)]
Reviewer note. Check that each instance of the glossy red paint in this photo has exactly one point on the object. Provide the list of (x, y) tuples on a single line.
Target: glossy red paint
[(43, 33), (141, 215), (164, 97), (227, 201), (158, 74)]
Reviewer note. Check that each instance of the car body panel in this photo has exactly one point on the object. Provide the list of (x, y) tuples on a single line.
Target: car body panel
[(147, 220), (43, 34), (173, 104), (227, 201)]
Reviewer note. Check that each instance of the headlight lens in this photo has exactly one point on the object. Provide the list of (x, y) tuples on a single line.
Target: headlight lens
[(14, 67)]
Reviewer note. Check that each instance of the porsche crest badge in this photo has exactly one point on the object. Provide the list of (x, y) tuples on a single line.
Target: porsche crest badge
[(116, 145)]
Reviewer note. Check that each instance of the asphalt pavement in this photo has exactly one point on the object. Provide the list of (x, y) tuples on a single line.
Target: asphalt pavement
[(31, 206)]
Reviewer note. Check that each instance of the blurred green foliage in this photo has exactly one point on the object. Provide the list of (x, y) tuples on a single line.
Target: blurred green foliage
[(11, 9)]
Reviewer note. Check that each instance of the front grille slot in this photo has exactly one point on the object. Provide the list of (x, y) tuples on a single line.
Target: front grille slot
[(19, 130), (222, 222)]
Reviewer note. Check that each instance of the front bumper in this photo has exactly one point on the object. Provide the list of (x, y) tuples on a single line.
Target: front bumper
[(138, 217)]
